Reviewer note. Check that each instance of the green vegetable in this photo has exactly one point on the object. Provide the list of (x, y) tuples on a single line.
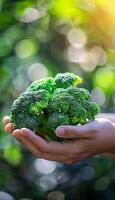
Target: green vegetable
[(51, 102)]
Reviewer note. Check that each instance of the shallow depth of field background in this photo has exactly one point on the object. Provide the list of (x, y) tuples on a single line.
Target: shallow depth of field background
[(39, 38)]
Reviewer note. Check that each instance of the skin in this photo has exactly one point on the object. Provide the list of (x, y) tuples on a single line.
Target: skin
[(95, 137)]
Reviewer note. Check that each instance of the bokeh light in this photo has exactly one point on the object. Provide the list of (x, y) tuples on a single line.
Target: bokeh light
[(77, 38), (98, 96), (37, 71), (12, 155), (76, 55), (89, 63), (44, 166), (30, 15), (87, 173), (105, 79), (56, 195), (19, 83), (95, 56), (99, 55), (26, 48), (5, 196), (20, 7), (102, 183), (88, 58), (47, 182)]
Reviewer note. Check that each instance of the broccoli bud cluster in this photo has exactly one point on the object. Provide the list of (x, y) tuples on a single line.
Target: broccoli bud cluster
[(51, 102)]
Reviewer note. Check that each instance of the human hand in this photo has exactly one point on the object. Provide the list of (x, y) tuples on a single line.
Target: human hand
[(95, 128), (95, 137), (36, 145)]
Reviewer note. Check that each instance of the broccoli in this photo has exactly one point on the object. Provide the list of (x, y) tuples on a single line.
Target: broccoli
[(47, 84), (51, 102), (67, 79), (57, 119)]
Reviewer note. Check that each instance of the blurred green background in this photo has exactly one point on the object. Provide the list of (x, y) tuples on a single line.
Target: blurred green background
[(40, 38)]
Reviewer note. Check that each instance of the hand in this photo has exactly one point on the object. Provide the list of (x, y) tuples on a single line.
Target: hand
[(36, 145), (95, 137)]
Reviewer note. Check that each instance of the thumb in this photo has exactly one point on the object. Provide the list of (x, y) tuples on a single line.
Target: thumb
[(81, 131)]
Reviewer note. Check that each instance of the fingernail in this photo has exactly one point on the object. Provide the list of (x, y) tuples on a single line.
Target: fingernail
[(60, 131), (15, 135), (23, 133)]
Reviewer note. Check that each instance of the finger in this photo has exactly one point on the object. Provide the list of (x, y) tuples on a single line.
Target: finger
[(9, 128), (29, 145), (34, 150), (54, 157), (86, 131), (45, 146), (35, 139), (5, 120)]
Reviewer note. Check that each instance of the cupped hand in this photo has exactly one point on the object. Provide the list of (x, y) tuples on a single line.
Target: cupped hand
[(95, 137)]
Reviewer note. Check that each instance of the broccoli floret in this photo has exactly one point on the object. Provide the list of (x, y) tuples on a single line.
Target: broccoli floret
[(57, 119), (51, 102), (77, 113), (59, 91), (65, 80), (60, 103), (80, 94), (24, 120), (27, 110), (92, 109), (46, 83)]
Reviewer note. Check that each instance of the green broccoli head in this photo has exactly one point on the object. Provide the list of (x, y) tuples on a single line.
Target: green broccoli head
[(51, 102)]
